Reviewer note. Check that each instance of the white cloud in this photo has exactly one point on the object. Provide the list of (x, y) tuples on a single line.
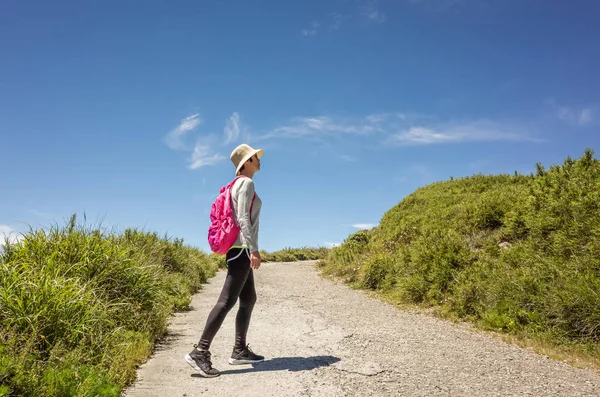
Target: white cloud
[(581, 116), (202, 153), (377, 118), (232, 128), (331, 245), (401, 129), (372, 11), (363, 226), (477, 131), (338, 19), (174, 138), (321, 126), (203, 156), (376, 16), (425, 135), (312, 31), (7, 233)]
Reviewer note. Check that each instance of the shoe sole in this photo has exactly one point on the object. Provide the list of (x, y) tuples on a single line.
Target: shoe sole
[(235, 361), (192, 363)]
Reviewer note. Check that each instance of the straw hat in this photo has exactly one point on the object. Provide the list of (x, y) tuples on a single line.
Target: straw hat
[(243, 153)]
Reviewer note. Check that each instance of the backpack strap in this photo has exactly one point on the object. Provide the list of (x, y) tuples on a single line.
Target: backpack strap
[(251, 204)]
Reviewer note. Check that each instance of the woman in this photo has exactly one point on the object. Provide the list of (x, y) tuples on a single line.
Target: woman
[(241, 258)]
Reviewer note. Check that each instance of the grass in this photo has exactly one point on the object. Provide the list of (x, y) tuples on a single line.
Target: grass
[(284, 255), (295, 254), (80, 308), (511, 254)]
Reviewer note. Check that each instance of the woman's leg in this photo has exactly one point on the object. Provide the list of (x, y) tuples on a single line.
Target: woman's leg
[(241, 353), (242, 320), (238, 271)]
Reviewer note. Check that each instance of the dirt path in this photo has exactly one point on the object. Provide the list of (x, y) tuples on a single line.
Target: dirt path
[(322, 339)]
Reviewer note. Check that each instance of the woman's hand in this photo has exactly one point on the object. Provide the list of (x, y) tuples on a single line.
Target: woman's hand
[(255, 260)]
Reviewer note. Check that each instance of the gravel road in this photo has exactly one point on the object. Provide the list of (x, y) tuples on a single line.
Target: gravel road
[(324, 339)]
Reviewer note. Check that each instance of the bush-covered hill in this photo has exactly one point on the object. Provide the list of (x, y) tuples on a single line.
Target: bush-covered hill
[(512, 253)]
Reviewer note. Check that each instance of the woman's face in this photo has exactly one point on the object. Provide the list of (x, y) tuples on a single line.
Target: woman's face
[(253, 163)]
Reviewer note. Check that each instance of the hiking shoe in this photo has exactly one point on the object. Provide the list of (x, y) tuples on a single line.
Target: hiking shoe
[(244, 356), (200, 361)]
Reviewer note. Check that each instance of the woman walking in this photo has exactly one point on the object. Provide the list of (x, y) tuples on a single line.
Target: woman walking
[(242, 258)]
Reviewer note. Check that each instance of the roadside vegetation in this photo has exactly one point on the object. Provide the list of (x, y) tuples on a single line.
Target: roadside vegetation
[(514, 254), (81, 308)]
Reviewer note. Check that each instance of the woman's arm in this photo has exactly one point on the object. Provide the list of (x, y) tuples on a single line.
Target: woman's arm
[(245, 194)]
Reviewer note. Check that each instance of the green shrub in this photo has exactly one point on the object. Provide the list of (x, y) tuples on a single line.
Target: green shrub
[(294, 254), (441, 246), (81, 308), (345, 260)]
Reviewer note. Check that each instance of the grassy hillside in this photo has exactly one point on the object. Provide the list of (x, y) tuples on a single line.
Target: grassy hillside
[(80, 308), (511, 253)]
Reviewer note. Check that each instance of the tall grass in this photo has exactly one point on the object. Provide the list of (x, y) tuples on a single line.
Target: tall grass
[(511, 253), (81, 308)]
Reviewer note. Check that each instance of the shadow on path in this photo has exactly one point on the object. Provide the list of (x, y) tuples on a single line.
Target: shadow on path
[(293, 364)]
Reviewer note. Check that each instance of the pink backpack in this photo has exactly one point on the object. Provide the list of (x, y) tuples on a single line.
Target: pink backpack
[(223, 231)]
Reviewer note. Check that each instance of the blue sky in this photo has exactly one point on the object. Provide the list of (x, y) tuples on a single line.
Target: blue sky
[(128, 111)]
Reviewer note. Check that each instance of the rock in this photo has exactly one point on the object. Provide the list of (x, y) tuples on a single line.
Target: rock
[(505, 245)]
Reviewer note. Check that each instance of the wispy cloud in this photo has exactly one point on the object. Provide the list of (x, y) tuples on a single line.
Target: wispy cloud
[(402, 129), (376, 16), (348, 158), (174, 138), (203, 156), (363, 226), (372, 12), (338, 19), (477, 131), (378, 118), (232, 128), (360, 11), (7, 233), (312, 30), (321, 126), (202, 153), (578, 116)]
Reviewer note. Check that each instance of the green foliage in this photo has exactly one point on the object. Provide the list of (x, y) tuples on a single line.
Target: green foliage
[(294, 254), (284, 255), (81, 308), (441, 246), (344, 260), (218, 261)]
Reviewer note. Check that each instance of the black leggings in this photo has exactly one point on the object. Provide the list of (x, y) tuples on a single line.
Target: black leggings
[(238, 284)]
